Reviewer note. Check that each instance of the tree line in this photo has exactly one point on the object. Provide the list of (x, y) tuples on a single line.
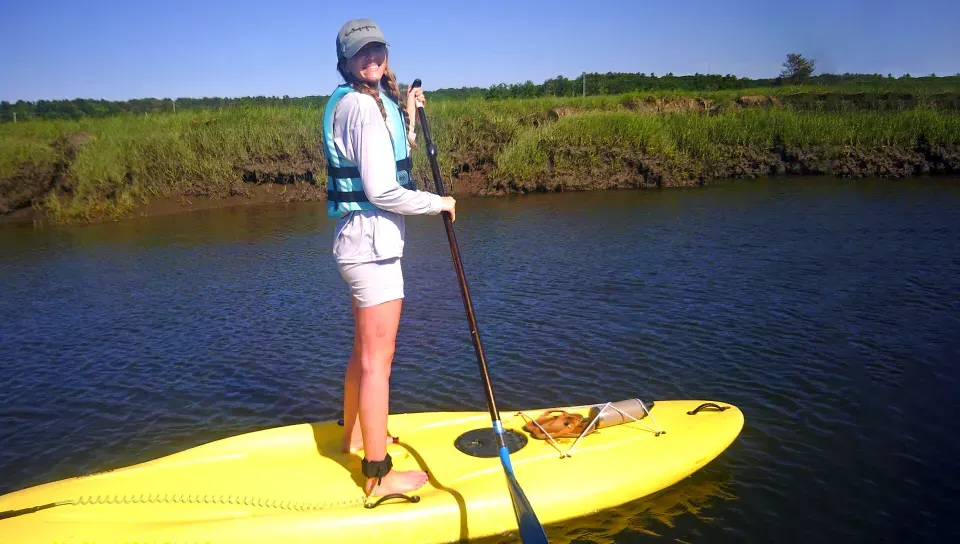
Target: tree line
[(87, 107), (620, 83), (796, 70)]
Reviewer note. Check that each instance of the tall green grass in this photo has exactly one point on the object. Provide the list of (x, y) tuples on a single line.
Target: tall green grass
[(129, 159), (593, 139), (30, 143)]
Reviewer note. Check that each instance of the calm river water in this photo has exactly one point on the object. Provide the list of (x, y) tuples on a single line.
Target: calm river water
[(827, 310)]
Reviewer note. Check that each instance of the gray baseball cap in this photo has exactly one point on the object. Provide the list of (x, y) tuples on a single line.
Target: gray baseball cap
[(355, 34)]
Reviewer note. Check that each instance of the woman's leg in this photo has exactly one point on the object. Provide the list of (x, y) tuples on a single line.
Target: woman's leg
[(351, 393), (376, 333), (352, 437)]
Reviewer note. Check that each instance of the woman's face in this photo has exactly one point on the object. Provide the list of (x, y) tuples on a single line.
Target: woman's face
[(369, 63)]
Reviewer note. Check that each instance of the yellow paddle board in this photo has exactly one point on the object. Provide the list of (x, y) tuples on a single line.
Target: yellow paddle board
[(292, 484)]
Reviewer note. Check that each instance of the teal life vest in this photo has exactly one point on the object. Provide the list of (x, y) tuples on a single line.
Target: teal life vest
[(344, 186)]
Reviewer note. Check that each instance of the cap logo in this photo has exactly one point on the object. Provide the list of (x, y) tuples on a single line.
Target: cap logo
[(358, 29)]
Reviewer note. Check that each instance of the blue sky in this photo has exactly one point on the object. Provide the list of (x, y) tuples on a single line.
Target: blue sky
[(117, 50)]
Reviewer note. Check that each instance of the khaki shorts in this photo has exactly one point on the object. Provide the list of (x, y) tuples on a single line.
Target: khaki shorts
[(374, 282)]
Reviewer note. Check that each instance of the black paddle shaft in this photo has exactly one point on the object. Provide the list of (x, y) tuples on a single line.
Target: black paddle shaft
[(458, 264), (531, 530)]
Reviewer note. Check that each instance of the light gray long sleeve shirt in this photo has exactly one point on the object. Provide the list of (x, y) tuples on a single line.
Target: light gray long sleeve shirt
[(361, 136)]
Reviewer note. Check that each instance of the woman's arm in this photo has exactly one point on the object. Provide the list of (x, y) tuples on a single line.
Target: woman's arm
[(366, 142)]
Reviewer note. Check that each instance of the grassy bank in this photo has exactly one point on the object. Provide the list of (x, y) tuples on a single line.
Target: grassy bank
[(109, 165), (104, 168), (690, 147)]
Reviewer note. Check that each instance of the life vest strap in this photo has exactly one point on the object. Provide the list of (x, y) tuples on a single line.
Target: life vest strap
[(342, 172), (359, 196)]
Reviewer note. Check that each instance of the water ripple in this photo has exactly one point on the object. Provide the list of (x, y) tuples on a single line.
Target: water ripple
[(828, 312)]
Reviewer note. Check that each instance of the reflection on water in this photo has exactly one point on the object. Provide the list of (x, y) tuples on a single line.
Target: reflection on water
[(654, 516)]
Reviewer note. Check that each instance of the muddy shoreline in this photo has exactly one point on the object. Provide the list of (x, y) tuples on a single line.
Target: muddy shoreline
[(282, 181), (644, 172), (635, 169), (254, 194)]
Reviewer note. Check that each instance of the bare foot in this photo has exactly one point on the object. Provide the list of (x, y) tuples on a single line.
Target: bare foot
[(355, 446), (396, 482)]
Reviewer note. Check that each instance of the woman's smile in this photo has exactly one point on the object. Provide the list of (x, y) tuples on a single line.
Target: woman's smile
[(370, 62)]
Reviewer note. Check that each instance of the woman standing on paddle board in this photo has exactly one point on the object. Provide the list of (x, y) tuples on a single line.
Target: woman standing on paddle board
[(367, 146)]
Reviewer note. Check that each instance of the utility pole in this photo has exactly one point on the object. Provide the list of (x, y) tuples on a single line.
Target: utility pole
[(174, 106), (14, 117), (584, 84)]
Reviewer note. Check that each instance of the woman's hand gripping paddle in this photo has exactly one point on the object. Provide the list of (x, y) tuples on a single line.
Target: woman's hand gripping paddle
[(531, 531)]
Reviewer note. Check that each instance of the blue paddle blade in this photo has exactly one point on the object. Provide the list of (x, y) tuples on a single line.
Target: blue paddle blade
[(531, 531)]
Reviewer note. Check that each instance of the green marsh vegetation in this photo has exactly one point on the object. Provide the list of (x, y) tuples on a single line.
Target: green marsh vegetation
[(103, 168), (108, 166)]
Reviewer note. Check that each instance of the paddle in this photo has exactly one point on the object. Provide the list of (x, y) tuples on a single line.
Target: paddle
[(531, 531)]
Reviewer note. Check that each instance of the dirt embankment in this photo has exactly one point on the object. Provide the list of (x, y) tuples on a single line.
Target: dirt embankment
[(33, 181), (286, 178), (286, 181), (819, 102), (630, 168), (266, 180)]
